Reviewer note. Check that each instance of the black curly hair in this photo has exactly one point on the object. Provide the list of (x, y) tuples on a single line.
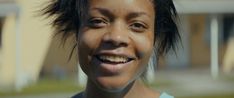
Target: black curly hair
[(68, 15)]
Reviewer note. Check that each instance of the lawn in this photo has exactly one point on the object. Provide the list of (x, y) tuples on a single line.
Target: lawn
[(50, 86), (47, 86)]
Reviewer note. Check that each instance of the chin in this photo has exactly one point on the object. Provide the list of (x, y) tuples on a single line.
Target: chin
[(112, 84)]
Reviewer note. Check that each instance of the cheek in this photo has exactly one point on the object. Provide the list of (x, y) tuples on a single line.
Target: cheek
[(87, 43), (88, 40), (144, 45)]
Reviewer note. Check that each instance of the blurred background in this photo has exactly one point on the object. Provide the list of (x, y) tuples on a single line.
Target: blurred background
[(35, 64)]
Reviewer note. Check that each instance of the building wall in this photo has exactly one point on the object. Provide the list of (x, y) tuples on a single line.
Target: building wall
[(57, 62), (200, 41), (200, 51), (36, 36), (7, 67), (34, 39)]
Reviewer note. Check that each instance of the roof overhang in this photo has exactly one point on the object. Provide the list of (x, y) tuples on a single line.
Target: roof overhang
[(8, 8), (204, 6)]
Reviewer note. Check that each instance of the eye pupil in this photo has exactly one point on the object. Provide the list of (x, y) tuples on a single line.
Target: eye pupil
[(97, 23), (138, 27)]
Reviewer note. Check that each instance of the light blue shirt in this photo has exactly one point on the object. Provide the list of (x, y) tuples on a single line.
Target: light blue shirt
[(165, 95)]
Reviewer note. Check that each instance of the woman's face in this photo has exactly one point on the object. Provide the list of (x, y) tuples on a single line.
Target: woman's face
[(116, 41)]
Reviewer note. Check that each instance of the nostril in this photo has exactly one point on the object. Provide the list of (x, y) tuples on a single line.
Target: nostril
[(113, 43), (115, 40)]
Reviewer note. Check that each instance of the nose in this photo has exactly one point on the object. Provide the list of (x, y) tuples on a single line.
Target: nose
[(117, 36)]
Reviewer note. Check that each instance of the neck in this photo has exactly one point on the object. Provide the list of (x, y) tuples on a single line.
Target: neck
[(136, 89)]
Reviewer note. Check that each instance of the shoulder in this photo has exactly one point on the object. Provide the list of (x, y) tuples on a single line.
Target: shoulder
[(79, 95), (165, 95)]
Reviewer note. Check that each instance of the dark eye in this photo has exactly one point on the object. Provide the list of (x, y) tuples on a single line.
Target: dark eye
[(138, 27), (97, 22)]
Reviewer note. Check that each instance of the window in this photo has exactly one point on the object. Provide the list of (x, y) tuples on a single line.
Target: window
[(228, 26)]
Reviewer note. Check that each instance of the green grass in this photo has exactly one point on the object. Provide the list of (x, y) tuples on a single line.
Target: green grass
[(167, 84), (47, 86), (50, 86), (228, 78)]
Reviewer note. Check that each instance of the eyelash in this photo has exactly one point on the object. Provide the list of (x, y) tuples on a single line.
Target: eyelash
[(97, 22), (136, 26)]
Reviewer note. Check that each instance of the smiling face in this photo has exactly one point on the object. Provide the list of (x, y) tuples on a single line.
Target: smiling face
[(116, 41)]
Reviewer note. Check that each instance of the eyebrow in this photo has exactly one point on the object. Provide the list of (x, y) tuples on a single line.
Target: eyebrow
[(136, 14), (107, 13)]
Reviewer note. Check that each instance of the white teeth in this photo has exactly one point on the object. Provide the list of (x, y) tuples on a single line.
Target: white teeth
[(116, 59)]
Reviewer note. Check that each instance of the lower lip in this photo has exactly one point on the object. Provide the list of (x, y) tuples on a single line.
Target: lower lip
[(111, 69)]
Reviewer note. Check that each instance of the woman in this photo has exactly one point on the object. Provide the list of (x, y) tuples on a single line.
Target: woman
[(115, 40)]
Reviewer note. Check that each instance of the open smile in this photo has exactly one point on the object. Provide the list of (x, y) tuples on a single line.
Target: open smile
[(113, 63), (114, 59)]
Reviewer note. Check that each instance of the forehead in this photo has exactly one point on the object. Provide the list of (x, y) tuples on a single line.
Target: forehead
[(124, 6)]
